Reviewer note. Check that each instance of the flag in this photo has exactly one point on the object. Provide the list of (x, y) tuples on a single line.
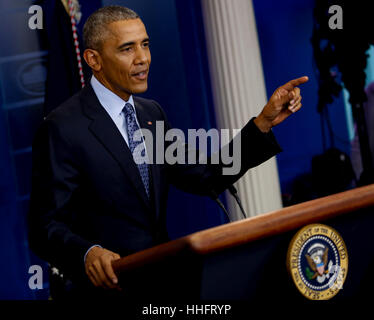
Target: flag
[(65, 76)]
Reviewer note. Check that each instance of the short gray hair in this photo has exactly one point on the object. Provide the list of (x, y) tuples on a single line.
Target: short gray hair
[(95, 28)]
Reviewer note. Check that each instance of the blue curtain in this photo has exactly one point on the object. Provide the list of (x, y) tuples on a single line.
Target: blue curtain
[(23, 70)]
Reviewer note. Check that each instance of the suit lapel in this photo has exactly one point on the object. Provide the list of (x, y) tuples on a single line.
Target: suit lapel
[(104, 129)]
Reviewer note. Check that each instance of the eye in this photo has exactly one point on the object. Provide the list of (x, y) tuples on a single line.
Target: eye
[(126, 49)]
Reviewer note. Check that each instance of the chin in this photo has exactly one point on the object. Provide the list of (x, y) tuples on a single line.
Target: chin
[(141, 89)]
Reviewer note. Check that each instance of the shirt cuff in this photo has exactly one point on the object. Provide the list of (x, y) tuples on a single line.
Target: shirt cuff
[(95, 245)]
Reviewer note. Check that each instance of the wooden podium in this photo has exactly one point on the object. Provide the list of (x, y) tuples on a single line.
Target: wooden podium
[(246, 260)]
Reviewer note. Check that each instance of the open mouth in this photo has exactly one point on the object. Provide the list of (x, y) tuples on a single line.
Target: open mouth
[(142, 75)]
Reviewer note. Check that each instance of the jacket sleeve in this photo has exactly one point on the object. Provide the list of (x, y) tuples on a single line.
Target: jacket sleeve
[(55, 178), (248, 149)]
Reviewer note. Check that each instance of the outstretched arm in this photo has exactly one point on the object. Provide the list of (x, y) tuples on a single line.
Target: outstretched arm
[(256, 145)]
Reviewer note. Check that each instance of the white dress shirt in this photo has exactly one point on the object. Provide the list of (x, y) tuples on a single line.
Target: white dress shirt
[(113, 105)]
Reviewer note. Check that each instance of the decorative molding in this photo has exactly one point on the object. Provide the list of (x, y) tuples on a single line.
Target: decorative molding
[(239, 92)]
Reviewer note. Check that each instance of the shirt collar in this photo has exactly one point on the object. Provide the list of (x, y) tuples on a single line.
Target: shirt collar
[(112, 103)]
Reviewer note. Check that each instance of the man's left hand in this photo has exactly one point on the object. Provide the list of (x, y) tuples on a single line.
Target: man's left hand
[(285, 101)]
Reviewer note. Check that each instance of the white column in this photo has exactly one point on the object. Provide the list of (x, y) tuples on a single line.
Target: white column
[(239, 92)]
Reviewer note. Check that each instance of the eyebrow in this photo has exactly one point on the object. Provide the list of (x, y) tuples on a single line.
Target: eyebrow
[(130, 43)]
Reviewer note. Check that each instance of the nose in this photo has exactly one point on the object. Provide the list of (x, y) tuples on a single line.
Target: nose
[(141, 56)]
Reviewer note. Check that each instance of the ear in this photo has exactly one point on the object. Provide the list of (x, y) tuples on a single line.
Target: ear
[(92, 58)]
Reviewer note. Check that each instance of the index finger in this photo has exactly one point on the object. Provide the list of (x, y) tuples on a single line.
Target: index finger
[(290, 85)]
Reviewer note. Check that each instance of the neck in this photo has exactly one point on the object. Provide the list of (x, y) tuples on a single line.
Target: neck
[(123, 95)]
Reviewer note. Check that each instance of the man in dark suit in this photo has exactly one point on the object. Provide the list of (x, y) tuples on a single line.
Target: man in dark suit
[(91, 202)]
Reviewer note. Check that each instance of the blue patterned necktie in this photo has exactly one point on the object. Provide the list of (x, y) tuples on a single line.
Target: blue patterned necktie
[(132, 127)]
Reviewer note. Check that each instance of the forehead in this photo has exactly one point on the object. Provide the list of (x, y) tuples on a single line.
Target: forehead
[(127, 30)]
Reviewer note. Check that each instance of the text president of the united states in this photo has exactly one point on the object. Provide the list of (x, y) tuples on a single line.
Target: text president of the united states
[(91, 203)]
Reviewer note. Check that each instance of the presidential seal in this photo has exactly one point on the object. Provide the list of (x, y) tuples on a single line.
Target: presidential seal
[(317, 261)]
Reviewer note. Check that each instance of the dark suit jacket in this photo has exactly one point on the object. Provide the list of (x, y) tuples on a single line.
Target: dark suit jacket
[(86, 188)]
